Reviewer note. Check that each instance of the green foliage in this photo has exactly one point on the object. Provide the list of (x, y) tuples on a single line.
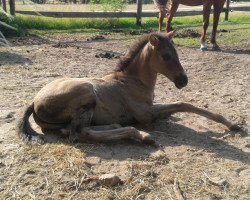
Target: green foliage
[(47, 23), (25, 23), (6, 24), (5, 17)]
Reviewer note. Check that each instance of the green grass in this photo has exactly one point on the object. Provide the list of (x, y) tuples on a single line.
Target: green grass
[(237, 35), (46, 23), (238, 27)]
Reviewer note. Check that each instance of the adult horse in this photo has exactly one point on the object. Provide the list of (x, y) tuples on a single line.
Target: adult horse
[(95, 108), (207, 4)]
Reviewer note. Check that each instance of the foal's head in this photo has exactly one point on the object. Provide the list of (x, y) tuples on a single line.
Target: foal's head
[(165, 59)]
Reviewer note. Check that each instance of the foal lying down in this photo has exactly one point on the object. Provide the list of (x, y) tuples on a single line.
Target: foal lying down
[(102, 109)]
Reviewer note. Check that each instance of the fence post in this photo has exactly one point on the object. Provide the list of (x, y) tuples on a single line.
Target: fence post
[(12, 7), (4, 6), (139, 11), (227, 10)]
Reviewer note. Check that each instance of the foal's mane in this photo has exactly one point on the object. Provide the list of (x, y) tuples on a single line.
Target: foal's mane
[(129, 57)]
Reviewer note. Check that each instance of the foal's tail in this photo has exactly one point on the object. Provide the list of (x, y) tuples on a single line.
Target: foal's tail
[(24, 130)]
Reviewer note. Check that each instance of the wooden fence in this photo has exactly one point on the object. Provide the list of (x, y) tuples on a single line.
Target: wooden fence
[(138, 14)]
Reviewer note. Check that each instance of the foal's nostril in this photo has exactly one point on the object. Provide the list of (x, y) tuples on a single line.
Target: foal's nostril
[(181, 81)]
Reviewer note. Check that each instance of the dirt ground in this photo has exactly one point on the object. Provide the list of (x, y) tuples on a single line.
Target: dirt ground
[(189, 148)]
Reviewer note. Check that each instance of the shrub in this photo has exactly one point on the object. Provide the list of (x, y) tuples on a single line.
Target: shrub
[(7, 25)]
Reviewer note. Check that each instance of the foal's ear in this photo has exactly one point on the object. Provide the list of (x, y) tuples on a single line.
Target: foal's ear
[(154, 41), (171, 34)]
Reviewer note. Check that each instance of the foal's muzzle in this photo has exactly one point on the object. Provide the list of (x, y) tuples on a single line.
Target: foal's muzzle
[(181, 81)]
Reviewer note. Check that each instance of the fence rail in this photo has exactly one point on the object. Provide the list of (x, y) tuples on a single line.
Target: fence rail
[(103, 14), (117, 14), (138, 14)]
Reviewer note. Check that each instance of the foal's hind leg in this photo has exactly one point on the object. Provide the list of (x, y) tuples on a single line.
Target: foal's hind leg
[(82, 118)]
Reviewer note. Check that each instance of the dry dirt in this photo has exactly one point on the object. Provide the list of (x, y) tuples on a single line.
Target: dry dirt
[(188, 148)]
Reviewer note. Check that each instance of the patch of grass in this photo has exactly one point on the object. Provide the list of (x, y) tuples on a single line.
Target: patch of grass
[(238, 27), (47, 23), (228, 35)]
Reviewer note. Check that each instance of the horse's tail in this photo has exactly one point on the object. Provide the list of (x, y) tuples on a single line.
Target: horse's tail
[(24, 129)]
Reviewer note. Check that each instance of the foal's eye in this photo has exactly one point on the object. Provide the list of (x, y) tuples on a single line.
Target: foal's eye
[(166, 56)]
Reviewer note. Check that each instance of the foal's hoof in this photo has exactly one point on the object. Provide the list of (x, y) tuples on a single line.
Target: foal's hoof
[(240, 130), (146, 138), (34, 139), (235, 127), (148, 141)]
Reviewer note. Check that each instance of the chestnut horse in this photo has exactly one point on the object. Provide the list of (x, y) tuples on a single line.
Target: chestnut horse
[(95, 108), (207, 4)]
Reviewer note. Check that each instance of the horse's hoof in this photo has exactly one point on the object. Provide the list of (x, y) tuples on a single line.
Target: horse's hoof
[(216, 48), (203, 48)]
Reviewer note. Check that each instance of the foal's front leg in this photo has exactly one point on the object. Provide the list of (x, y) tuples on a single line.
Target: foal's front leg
[(160, 111), (103, 133), (81, 130)]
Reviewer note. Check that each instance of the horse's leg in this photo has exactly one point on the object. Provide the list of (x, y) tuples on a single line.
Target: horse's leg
[(160, 19), (99, 135), (172, 12), (206, 13), (218, 6), (163, 111)]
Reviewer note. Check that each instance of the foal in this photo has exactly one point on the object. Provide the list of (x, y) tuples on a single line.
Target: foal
[(207, 4), (95, 108)]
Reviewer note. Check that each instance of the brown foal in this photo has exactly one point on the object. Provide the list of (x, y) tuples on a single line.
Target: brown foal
[(97, 108)]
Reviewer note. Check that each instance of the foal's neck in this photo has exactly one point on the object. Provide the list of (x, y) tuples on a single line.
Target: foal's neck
[(141, 69)]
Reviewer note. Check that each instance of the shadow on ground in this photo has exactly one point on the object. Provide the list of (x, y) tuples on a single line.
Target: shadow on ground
[(7, 58), (166, 134)]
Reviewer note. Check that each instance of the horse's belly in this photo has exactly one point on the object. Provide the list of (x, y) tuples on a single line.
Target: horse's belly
[(191, 2)]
